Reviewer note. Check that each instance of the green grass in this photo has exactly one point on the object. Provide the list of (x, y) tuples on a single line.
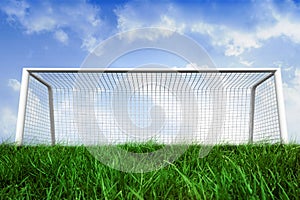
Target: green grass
[(228, 172)]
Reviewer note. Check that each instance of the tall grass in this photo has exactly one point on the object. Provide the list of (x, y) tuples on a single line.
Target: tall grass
[(228, 172)]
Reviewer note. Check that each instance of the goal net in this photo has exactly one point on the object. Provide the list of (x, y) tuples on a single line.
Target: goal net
[(95, 106)]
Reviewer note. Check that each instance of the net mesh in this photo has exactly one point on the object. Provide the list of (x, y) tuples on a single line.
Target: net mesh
[(156, 101), (37, 118)]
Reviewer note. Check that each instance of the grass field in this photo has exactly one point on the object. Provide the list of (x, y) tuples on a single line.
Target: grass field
[(228, 172)]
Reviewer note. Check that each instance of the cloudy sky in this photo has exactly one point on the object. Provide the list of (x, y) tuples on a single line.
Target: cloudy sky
[(61, 34)]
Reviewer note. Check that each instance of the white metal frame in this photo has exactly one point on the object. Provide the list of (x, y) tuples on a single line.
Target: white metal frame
[(281, 107), (28, 72), (22, 107)]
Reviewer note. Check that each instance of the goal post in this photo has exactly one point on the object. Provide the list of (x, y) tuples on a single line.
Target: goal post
[(54, 101), (281, 107), (22, 107)]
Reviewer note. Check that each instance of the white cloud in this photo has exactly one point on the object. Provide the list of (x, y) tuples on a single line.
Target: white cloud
[(39, 24), (89, 43), (61, 36), (80, 18), (292, 104), (14, 84), (283, 27), (134, 15), (285, 23), (8, 121), (170, 23), (284, 66), (16, 10), (237, 41), (83, 20), (148, 35), (246, 62), (195, 66), (171, 17), (234, 41)]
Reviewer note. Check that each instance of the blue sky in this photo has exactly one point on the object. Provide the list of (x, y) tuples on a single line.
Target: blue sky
[(234, 33)]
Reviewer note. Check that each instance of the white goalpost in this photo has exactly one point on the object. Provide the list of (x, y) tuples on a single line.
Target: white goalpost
[(119, 105)]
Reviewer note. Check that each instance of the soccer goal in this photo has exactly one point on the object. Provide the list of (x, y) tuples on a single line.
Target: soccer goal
[(73, 106)]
